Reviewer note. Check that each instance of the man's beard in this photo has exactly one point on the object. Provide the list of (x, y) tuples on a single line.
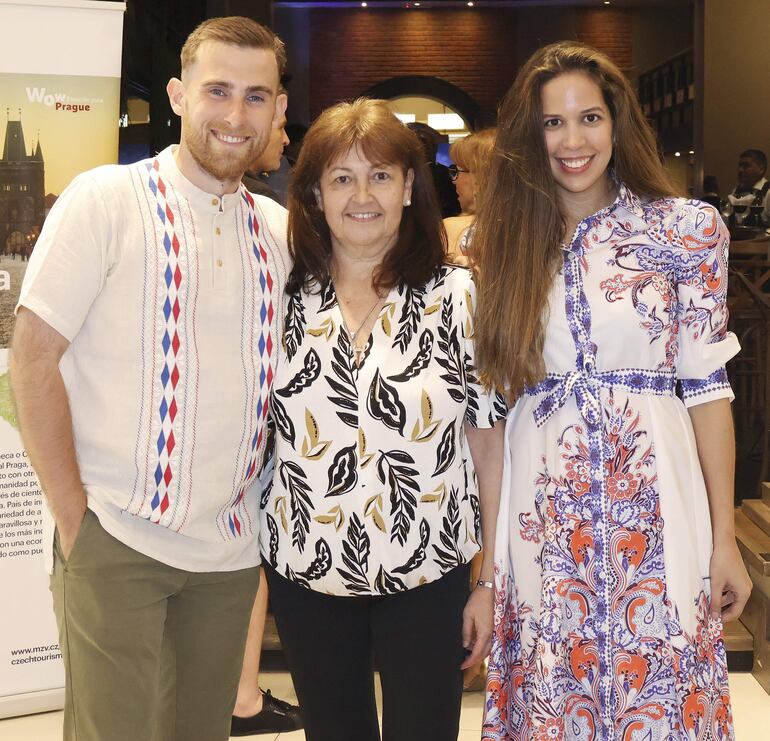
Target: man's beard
[(223, 166)]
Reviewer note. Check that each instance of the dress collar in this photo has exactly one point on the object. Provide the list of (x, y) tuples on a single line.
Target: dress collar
[(626, 200)]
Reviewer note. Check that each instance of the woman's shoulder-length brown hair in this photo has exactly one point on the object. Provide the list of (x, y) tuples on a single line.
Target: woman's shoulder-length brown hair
[(370, 126)]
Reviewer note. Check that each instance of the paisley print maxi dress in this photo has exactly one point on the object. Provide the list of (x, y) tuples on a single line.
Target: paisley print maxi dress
[(602, 627)]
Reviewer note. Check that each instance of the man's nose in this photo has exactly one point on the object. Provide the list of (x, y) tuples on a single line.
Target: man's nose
[(236, 113)]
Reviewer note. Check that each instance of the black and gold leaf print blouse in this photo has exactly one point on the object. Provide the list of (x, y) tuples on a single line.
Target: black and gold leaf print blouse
[(373, 489)]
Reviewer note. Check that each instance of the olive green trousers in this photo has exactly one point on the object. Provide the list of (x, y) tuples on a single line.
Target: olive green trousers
[(151, 652)]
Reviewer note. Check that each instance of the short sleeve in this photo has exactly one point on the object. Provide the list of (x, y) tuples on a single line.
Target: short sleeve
[(701, 242), (485, 408), (69, 263)]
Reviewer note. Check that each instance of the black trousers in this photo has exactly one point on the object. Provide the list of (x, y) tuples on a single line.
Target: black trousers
[(329, 643)]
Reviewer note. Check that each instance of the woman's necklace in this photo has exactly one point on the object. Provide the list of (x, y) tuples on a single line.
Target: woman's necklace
[(358, 348)]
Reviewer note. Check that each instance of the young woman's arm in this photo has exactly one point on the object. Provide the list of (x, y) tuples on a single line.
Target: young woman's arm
[(715, 438)]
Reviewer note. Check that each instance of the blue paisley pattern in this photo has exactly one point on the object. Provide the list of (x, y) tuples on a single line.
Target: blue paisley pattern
[(602, 627)]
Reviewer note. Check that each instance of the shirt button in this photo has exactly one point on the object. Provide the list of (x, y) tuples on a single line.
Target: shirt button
[(219, 263), (218, 231), (215, 201)]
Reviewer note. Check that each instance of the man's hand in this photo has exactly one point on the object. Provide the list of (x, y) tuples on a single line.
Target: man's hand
[(68, 526)]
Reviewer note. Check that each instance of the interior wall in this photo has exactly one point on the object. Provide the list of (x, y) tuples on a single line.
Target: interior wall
[(293, 26), (736, 69), (659, 33), (351, 50)]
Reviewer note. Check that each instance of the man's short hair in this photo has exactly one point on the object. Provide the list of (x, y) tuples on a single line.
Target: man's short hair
[(757, 155), (238, 31)]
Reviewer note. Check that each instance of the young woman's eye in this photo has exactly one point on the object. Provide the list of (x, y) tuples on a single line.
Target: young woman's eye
[(551, 123), (593, 118)]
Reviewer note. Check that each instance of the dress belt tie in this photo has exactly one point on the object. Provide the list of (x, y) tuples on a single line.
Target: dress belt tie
[(585, 386)]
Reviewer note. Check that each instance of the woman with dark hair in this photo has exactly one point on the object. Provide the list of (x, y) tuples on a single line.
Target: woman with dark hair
[(600, 293), (375, 513)]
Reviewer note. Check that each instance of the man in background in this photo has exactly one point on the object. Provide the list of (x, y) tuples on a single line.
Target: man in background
[(262, 177), (749, 203)]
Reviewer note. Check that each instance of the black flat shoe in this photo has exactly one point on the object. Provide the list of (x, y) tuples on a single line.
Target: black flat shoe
[(276, 716)]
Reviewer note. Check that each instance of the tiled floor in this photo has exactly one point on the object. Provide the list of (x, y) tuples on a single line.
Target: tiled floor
[(751, 707)]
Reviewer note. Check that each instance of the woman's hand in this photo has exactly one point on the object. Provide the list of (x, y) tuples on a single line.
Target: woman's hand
[(730, 582), (478, 617)]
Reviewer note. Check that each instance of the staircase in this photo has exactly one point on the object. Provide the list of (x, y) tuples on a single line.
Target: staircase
[(752, 529)]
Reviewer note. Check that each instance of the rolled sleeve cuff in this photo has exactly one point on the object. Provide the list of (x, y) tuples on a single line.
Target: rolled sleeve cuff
[(701, 390)]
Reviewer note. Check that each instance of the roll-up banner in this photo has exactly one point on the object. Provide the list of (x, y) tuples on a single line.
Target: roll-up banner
[(59, 110)]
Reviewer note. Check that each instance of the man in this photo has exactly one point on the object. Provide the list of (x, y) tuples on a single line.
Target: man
[(749, 203), (445, 189), (142, 360), (257, 177)]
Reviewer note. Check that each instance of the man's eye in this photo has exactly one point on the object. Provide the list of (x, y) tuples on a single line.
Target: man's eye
[(217, 91), (256, 99)]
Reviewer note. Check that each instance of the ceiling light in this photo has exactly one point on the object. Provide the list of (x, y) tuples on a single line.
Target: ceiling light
[(445, 121), (363, 5), (692, 151), (677, 154), (470, 5)]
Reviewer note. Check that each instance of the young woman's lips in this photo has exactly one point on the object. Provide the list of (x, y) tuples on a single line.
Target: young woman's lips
[(575, 165)]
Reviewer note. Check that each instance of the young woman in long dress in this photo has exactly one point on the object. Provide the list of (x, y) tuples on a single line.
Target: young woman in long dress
[(602, 312)]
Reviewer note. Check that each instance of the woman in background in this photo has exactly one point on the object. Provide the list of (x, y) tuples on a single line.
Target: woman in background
[(599, 293), (470, 156)]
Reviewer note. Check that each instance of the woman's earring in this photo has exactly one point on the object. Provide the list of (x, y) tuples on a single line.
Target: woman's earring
[(407, 202)]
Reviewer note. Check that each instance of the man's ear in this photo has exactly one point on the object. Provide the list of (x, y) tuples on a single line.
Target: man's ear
[(175, 90), (281, 103)]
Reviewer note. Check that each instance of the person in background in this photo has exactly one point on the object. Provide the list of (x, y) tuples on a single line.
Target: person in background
[(375, 512), (257, 178), (257, 711), (442, 181), (470, 156), (749, 203), (141, 401), (711, 191), (600, 294), (296, 133)]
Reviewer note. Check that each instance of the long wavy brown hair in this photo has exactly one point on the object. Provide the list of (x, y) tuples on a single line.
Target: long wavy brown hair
[(382, 138), (519, 224)]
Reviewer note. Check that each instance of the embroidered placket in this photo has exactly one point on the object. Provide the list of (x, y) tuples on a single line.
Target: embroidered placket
[(585, 384)]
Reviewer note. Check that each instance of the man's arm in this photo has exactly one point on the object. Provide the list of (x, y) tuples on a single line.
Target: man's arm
[(44, 416)]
